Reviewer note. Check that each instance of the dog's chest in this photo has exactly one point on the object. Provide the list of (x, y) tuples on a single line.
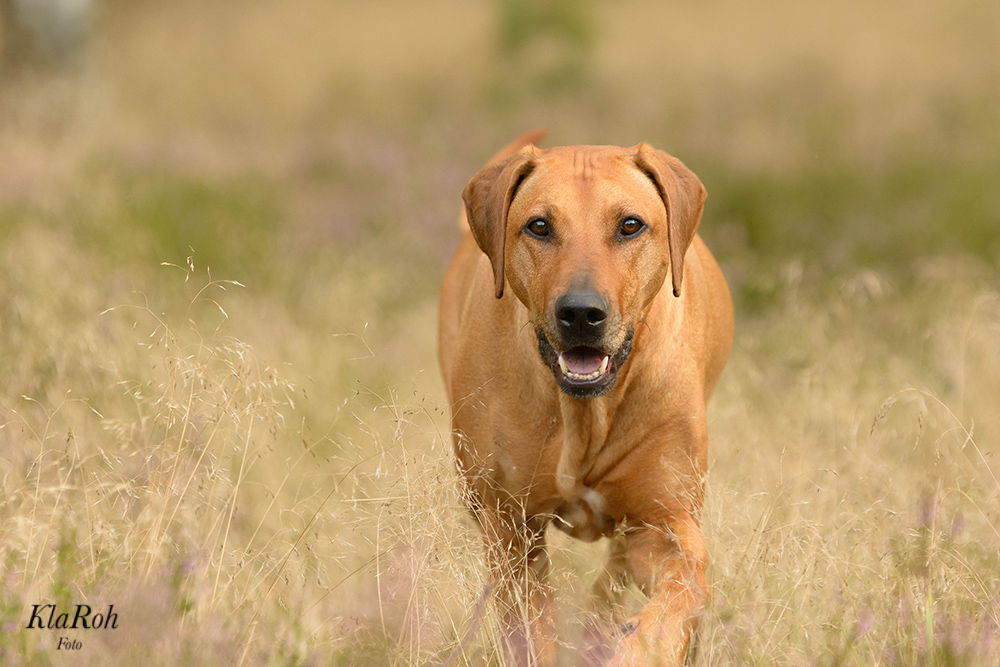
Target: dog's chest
[(581, 512), (561, 479)]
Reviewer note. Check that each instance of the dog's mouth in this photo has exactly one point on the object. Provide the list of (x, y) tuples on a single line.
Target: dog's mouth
[(583, 371), (583, 364)]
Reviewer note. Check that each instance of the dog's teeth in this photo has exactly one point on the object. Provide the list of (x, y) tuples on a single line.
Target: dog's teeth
[(593, 375)]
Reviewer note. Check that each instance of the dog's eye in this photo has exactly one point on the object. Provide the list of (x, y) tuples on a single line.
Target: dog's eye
[(538, 228), (630, 227)]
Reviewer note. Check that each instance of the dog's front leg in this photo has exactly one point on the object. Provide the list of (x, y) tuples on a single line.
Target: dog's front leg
[(668, 563), (519, 570)]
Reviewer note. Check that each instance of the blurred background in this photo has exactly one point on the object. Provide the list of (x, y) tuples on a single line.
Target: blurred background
[(313, 153)]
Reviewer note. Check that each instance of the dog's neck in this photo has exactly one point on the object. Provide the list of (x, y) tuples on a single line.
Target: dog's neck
[(585, 426)]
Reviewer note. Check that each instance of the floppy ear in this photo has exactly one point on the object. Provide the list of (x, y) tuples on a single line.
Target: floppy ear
[(487, 200), (683, 196)]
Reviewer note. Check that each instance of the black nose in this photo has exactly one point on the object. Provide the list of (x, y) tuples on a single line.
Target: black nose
[(581, 315)]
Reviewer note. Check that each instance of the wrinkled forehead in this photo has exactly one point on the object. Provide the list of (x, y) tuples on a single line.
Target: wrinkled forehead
[(586, 176)]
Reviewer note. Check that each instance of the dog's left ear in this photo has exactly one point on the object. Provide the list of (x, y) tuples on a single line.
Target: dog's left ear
[(487, 200), (683, 196)]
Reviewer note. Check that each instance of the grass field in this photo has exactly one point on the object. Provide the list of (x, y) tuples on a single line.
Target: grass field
[(221, 237)]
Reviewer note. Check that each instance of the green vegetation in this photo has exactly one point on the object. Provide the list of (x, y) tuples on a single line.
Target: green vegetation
[(220, 244)]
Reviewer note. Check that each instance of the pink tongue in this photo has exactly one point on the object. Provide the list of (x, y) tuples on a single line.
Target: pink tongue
[(583, 360)]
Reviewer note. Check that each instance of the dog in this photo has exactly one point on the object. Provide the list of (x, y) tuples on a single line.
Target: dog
[(583, 327)]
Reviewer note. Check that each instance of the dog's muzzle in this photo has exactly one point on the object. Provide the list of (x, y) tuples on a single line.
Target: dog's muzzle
[(583, 371)]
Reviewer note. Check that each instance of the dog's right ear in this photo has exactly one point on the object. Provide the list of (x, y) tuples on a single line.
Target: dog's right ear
[(487, 200)]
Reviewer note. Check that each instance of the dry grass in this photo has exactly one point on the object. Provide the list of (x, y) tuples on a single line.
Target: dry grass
[(175, 489), (852, 516), (262, 474)]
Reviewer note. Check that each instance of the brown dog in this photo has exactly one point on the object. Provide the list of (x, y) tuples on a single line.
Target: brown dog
[(578, 385)]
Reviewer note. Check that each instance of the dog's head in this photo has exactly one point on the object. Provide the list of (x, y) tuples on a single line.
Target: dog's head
[(585, 237)]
